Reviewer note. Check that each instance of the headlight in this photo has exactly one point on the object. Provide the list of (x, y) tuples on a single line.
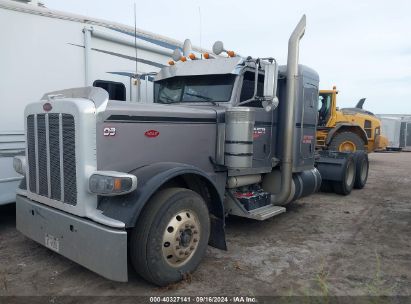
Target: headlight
[(110, 183), (19, 164)]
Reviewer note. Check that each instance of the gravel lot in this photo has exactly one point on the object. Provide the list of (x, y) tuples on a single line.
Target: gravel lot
[(324, 245)]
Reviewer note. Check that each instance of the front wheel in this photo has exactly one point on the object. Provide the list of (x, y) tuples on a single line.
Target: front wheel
[(346, 142), (171, 236)]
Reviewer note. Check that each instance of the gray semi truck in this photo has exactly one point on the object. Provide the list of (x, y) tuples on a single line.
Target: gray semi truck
[(108, 181)]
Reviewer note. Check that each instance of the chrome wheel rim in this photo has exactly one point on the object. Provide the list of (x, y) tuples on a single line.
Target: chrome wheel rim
[(181, 238)]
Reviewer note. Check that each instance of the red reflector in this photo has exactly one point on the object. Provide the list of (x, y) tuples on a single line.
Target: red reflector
[(152, 133), (243, 194)]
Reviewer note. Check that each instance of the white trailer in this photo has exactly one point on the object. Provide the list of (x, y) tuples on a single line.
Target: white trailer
[(44, 50), (397, 128)]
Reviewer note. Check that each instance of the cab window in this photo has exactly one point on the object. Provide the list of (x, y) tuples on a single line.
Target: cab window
[(247, 90)]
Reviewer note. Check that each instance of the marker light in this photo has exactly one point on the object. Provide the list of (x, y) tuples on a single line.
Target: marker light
[(206, 56), (19, 164), (109, 183), (183, 58), (230, 53), (171, 62), (192, 56)]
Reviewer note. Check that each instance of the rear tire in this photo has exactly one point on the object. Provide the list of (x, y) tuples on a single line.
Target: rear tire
[(345, 186), (346, 142), (362, 167), (170, 237), (326, 186)]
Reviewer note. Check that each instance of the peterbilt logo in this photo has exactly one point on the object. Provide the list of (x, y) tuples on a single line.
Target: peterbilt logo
[(109, 131), (47, 107), (152, 133)]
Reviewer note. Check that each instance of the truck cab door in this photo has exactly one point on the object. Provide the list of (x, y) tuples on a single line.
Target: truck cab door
[(263, 128)]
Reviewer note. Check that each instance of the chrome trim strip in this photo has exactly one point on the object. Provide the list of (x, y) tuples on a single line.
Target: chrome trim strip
[(11, 152), (36, 149), (61, 156), (48, 155), (11, 179), (26, 151)]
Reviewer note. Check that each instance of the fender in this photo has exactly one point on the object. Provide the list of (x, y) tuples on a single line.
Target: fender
[(150, 178), (347, 125)]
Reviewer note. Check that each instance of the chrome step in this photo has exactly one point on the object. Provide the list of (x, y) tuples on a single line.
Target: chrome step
[(265, 212), (234, 207)]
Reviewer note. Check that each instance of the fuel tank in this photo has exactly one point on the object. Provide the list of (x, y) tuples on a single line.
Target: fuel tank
[(303, 183)]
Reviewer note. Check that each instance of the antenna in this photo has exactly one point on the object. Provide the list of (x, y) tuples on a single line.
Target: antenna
[(201, 47), (135, 46)]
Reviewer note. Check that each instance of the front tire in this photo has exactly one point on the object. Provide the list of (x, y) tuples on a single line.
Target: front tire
[(171, 236), (346, 142)]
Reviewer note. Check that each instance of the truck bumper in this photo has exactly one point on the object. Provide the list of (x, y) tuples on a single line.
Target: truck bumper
[(99, 248)]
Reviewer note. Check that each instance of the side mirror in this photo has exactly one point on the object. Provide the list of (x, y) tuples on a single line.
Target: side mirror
[(270, 85), (269, 99)]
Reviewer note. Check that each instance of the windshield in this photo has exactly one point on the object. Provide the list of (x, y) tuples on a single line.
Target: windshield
[(203, 88)]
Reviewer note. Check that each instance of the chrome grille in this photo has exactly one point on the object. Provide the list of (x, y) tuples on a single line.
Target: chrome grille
[(31, 153), (54, 141), (52, 156), (42, 155), (69, 159)]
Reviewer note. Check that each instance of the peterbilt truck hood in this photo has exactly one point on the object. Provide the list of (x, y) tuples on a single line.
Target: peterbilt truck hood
[(119, 109), (130, 135)]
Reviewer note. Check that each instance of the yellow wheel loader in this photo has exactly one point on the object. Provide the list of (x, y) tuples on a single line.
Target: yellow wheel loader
[(348, 129)]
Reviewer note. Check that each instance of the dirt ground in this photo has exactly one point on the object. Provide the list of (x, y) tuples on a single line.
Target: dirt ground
[(324, 244)]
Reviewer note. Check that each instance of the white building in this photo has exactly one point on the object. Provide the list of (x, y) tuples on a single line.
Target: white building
[(44, 50)]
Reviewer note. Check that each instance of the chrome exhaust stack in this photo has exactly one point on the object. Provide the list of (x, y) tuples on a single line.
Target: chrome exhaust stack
[(289, 121)]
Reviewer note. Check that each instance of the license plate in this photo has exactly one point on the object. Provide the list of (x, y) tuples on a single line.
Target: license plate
[(52, 242)]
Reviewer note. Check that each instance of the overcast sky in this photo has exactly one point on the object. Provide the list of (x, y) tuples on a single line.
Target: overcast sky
[(363, 47)]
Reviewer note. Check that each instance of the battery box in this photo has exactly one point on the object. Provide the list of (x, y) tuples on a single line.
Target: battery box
[(253, 199)]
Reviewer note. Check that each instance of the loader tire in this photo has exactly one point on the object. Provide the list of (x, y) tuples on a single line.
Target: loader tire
[(346, 142), (170, 237), (346, 184), (362, 167)]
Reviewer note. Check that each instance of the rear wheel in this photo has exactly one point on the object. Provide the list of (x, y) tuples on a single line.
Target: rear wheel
[(346, 142), (362, 166), (171, 236), (326, 186), (345, 186)]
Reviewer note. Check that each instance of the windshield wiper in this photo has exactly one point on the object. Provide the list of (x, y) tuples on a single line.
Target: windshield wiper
[(200, 96), (167, 100)]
